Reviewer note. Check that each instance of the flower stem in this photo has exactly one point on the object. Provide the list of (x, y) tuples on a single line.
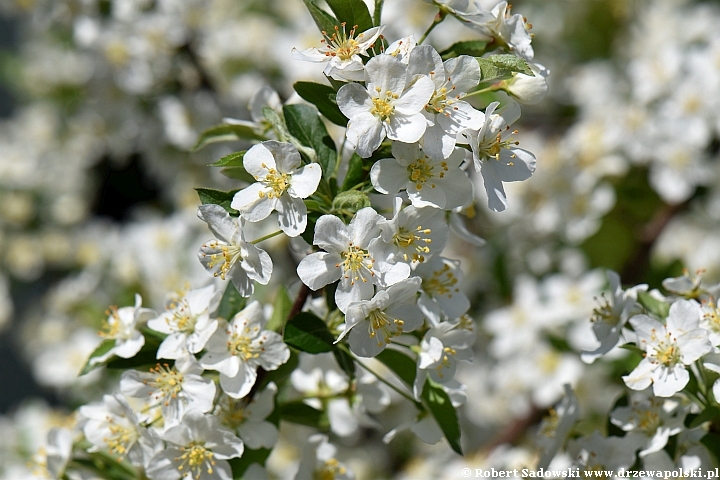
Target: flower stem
[(492, 88), (266, 237), (436, 21), (379, 377)]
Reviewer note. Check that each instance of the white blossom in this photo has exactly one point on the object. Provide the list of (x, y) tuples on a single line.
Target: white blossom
[(249, 420), (429, 182), (318, 461), (502, 28), (198, 449), (348, 257), (121, 326), (237, 349), (342, 51), (230, 256), (187, 322), (440, 294), (497, 158), (282, 183), (440, 349), (372, 324), (668, 349), (389, 105)]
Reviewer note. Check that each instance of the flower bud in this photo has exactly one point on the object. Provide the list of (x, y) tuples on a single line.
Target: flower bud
[(526, 89)]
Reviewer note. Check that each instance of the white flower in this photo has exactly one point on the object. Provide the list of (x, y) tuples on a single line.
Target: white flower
[(342, 51), (238, 349), (281, 185), (121, 326), (446, 112), (187, 322), (388, 314), (390, 106), (401, 48), (610, 317), (51, 460), (176, 390), (528, 89), (555, 428), (112, 425), (595, 452), (412, 236), (506, 30), (249, 419), (441, 348), (668, 349), (347, 258), (654, 419), (429, 182), (497, 158), (440, 294), (265, 97), (231, 256), (318, 461), (198, 449)]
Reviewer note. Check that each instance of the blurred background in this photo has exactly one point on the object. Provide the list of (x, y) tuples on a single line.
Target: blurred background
[(101, 101)]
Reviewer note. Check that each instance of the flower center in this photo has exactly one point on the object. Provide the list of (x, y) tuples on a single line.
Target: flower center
[(491, 148), (194, 457), (342, 44), (648, 421), (241, 346), (667, 353), (278, 182), (439, 101), (112, 327), (167, 382), (412, 240), (382, 105), (382, 327), (604, 312), (229, 254), (712, 318), (182, 320), (121, 437), (355, 259), (442, 282), (448, 352), (330, 470), (423, 170)]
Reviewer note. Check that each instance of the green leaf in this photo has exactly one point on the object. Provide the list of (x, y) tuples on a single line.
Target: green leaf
[(709, 414), (402, 365), (489, 72), (345, 361), (439, 405), (511, 62), (474, 48), (308, 333), (352, 12), (225, 133), (230, 303), (351, 200), (324, 21), (355, 174), (218, 197), (303, 414), (657, 307), (303, 122), (323, 97), (101, 350), (234, 159), (281, 309), (238, 173), (712, 443)]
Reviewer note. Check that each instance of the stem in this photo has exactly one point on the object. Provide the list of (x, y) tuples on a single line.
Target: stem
[(378, 12), (362, 365), (491, 88), (436, 21), (266, 237)]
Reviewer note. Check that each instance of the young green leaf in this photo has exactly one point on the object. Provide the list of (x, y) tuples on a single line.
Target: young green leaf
[(323, 97), (324, 21), (308, 333), (303, 414), (218, 197), (101, 350), (512, 63), (356, 173), (439, 405), (474, 48), (234, 159), (230, 303), (303, 123), (402, 365), (281, 309), (346, 362), (352, 13), (657, 307), (225, 133)]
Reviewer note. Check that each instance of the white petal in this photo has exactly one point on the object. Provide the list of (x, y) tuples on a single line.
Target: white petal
[(253, 202), (305, 180), (353, 100), (258, 160), (406, 128), (388, 176), (319, 269), (292, 215), (366, 131), (416, 97)]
